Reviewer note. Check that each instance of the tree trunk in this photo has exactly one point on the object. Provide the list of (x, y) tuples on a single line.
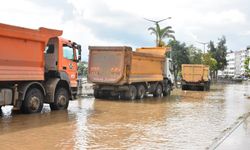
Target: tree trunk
[(211, 75), (175, 76)]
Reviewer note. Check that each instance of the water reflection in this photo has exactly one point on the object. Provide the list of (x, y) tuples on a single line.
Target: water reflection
[(184, 120)]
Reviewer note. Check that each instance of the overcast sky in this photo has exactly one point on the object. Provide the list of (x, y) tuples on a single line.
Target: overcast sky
[(120, 22)]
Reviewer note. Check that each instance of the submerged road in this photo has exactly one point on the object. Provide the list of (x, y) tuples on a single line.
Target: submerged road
[(184, 120)]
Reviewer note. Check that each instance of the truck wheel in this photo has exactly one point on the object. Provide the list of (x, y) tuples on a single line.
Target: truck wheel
[(141, 91), (167, 91), (208, 86), (131, 93), (33, 101), (205, 87), (106, 95), (158, 91), (184, 87), (97, 94), (61, 100)]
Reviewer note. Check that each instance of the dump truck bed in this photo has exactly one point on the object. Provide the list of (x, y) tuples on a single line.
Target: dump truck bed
[(195, 73), (22, 52), (106, 64), (120, 65)]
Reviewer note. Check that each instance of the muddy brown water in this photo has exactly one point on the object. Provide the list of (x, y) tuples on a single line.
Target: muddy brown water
[(185, 120)]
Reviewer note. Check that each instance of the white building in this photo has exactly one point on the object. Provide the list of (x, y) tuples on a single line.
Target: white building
[(235, 61), (230, 69)]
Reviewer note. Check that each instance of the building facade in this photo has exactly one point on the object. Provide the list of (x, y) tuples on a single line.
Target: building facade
[(230, 68), (235, 61)]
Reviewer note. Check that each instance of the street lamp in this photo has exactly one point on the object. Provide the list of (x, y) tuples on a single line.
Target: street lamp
[(204, 45), (156, 22)]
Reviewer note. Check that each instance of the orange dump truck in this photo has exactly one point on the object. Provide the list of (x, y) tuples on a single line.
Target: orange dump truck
[(36, 67), (119, 71), (195, 75)]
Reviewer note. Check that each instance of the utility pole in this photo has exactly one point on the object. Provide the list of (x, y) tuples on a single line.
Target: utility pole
[(204, 45), (156, 22)]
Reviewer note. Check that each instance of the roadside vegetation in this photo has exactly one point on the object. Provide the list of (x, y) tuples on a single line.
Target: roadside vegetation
[(181, 53), (246, 65), (82, 68), (161, 34)]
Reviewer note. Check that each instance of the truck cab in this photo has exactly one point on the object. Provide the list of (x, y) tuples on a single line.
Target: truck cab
[(61, 58), (168, 70)]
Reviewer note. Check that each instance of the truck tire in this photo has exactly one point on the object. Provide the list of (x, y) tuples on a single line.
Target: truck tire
[(158, 91), (97, 94), (106, 95), (141, 91), (131, 93), (167, 91), (101, 94), (33, 101), (185, 87), (61, 100), (207, 86)]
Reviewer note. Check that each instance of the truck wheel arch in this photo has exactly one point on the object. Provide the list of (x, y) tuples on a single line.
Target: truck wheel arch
[(22, 89), (64, 83), (161, 84), (52, 85), (64, 76)]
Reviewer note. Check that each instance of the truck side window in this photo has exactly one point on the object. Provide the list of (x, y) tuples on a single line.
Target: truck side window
[(68, 52), (49, 49)]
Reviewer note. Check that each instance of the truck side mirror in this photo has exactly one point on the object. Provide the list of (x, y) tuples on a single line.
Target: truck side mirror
[(79, 52), (79, 48), (171, 67), (79, 58)]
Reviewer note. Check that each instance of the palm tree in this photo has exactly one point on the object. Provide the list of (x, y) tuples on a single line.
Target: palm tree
[(161, 34)]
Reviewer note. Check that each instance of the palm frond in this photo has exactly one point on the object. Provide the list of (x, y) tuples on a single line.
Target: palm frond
[(167, 28), (171, 31), (160, 34), (171, 36), (153, 30)]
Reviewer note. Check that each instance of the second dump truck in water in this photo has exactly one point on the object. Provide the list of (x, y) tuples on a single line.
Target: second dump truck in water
[(195, 75), (119, 71)]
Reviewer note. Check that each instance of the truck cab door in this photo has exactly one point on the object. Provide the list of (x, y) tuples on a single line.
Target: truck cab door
[(168, 71), (69, 63)]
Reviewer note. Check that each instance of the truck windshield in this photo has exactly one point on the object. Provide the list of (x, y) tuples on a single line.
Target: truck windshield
[(68, 52)]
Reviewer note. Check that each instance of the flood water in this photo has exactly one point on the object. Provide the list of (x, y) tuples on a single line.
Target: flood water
[(185, 120)]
